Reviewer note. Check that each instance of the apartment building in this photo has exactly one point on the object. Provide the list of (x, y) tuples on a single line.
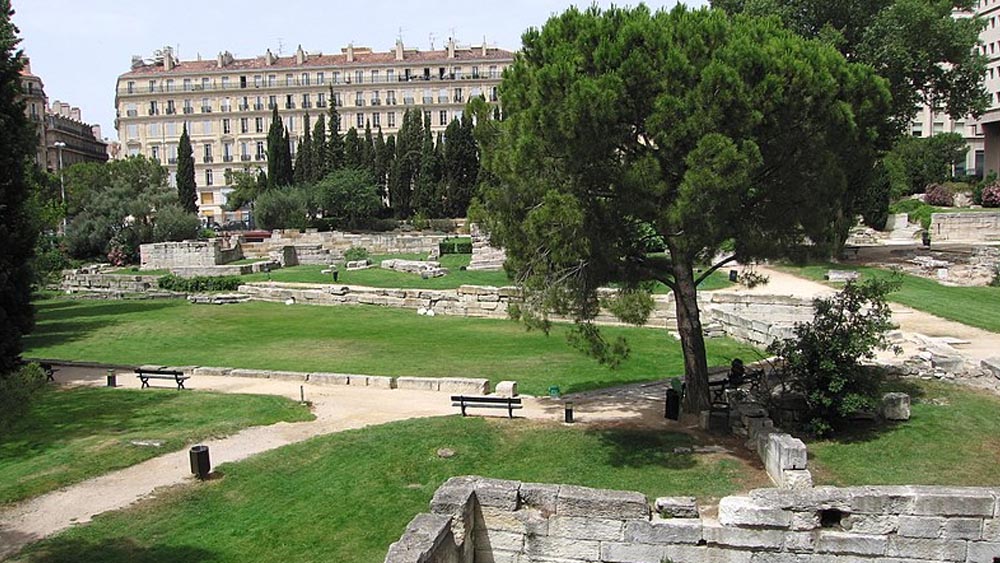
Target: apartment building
[(226, 103), (928, 123), (989, 122)]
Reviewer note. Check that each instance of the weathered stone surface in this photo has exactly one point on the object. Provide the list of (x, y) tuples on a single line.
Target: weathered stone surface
[(991, 530), (870, 524), (255, 373), (378, 381), (598, 503), (850, 544), (498, 493), (748, 513), (934, 550), (537, 547), (664, 531), (418, 383), (992, 365), (842, 275), (453, 496), (424, 534), (744, 538), (464, 385), (321, 378), (895, 406), (586, 528), (676, 507), (983, 552), (496, 540), (953, 502), (287, 375), (212, 371), (506, 389), (541, 497)]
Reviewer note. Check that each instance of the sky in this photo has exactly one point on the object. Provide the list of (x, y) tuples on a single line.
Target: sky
[(80, 47)]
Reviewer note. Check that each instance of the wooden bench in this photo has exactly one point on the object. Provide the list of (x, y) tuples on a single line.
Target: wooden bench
[(47, 368), (487, 403), (737, 378), (145, 375)]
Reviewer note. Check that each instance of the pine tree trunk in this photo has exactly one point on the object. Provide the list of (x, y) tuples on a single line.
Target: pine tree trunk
[(696, 398)]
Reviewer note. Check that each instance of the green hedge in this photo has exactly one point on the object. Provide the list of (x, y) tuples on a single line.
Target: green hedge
[(199, 284), (455, 246)]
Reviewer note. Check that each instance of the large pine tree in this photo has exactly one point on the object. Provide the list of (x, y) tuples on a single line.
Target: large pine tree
[(17, 235), (187, 187)]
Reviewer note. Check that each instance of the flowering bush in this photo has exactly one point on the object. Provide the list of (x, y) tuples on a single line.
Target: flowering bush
[(939, 195), (991, 195)]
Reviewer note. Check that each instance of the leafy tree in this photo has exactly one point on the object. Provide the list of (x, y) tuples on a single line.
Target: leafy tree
[(352, 150), (187, 189), (17, 228), (823, 360), (279, 157), (461, 165), (247, 186), (287, 208), (349, 198), (927, 55), (687, 126), (175, 224), (914, 163)]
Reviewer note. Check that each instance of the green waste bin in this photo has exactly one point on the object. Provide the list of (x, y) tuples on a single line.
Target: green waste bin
[(554, 392)]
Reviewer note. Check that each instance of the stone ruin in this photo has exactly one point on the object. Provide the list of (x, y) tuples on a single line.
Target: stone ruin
[(480, 520), (485, 257), (424, 269)]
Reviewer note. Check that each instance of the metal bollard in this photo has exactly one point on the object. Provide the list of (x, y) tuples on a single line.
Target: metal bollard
[(112, 378), (200, 464), (569, 412)]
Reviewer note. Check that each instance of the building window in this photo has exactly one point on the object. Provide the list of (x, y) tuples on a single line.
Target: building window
[(227, 126), (261, 155), (289, 102), (204, 83), (443, 117), (131, 110), (208, 177), (359, 76), (458, 96), (360, 120), (337, 100), (390, 98), (390, 75), (291, 123), (244, 151), (336, 77), (154, 130), (226, 105), (154, 153), (375, 99), (305, 79), (427, 116), (206, 105), (188, 107), (494, 94), (206, 127), (227, 152), (475, 72), (225, 82), (374, 77), (320, 78), (321, 100), (376, 121), (207, 152), (171, 129), (289, 80), (493, 71), (152, 85), (153, 108), (359, 99), (391, 119), (244, 125), (207, 198), (272, 80), (258, 104), (305, 101), (258, 81), (259, 124), (130, 87), (187, 84)]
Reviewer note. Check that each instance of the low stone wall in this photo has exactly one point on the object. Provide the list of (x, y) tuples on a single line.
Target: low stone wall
[(967, 227), (485, 257), (334, 243), (81, 281), (187, 254), (478, 520), (461, 385), (466, 301), (227, 270), (755, 318)]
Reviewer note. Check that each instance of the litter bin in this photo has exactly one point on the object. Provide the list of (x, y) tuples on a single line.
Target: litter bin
[(672, 409), (200, 464), (733, 276), (554, 392), (112, 378)]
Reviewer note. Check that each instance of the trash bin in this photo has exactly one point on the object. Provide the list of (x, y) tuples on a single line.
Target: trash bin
[(200, 464), (733, 276), (112, 378), (672, 410), (554, 392)]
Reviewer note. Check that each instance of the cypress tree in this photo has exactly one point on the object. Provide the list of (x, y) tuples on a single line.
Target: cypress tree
[(335, 146), (368, 151), (319, 149), (391, 169), (275, 136), (304, 156), (187, 188), (285, 169), (382, 159), (17, 235), (425, 187), (352, 149), (461, 165)]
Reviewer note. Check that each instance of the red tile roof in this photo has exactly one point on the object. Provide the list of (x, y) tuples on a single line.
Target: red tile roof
[(361, 58)]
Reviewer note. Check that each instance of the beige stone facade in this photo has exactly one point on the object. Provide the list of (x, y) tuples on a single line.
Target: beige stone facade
[(226, 103), (989, 123)]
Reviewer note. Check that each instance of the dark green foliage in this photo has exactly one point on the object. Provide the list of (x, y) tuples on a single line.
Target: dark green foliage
[(319, 149), (916, 210), (367, 151), (283, 209), (187, 188), (348, 198), (279, 154), (824, 360), (914, 162), (697, 127), (305, 170), (17, 225), (17, 386), (990, 195), (335, 144), (406, 166), (383, 162), (246, 187), (940, 195), (926, 54), (455, 246), (352, 150), (873, 204), (199, 284), (426, 198), (175, 224), (49, 261), (461, 166), (356, 253)]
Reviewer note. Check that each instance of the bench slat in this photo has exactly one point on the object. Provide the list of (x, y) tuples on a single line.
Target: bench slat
[(495, 400), (488, 406)]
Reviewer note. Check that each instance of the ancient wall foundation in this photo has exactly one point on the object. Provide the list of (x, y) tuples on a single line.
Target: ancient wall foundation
[(86, 281), (978, 226), (187, 254), (314, 247), (478, 520)]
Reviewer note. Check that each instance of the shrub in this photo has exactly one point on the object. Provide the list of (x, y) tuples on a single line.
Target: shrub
[(199, 284), (123, 248), (823, 359), (348, 198), (356, 253), (939, 195), (282, 208), (916, 211), (995, 282), (991, 196), (49, 261), (16, 390), (173, 224), (455, 246)]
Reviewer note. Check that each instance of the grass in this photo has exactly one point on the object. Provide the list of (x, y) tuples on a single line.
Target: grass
[(973, 306), (73, 434), (377, 277), (360, 339), (952, 438), (346, 497)]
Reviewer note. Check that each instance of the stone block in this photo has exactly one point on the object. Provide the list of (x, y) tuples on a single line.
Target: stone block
[(212, 371), (632, 553), (418, 383), (992, 365), (497, 556), (991, 530), (287, 375), (321, 378), (464, 386), (895, 406), (421, 539), (787, 452), (542, 547), (802, 521), (380, 382), (598, 503), (676, 507), (983, 552), (664, 531), (541, 497), (255, 373), (745, 512), (933, 501), (744, 538), (882, 500), (932, 549), (493, 539), (871, 524), (358, 380), (842, 275), (454, 496), (506, 389), (921, 526), (850, 543), (963, 529), (796, 479), (498, 493), (573, 527)]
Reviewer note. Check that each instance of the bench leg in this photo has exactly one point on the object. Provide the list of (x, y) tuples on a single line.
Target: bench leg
[(463, 408), (510, 410), (180, 384), (145, 382)]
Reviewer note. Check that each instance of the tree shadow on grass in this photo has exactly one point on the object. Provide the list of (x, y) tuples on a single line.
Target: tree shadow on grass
[(71, 310), (115, 550), (640, 448), (861, 431)]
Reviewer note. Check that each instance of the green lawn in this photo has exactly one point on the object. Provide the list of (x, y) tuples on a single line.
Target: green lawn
[(346, 497), (360, 339), (73, 434), (974, 306), (952, 438)]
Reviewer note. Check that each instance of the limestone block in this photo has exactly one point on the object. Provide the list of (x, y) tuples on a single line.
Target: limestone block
[(504, 541), (358, 380), (329, 378), (497, 556), (664, 531), (870, 524), (842, 275), (983, 552), (378, 381), (632, 553), (748, 513), (541, 497), (586, 528), (422, 536), (418, 383), (256, 373), (288, 375), (934, 550), (800, 542), (803, 521), (464, 385), (796, 479), (941, 501), (895, 406), (716, 534), (921, 526), (506, 389), (213, 371), (883, 500), (992, 365), (991, 530), (948, 364), (851, 544), (497, 493), (597, 503), (963, 529), (676, 507), (539, 547)]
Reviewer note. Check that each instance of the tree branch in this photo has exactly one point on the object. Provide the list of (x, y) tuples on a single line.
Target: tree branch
[(711, 270)]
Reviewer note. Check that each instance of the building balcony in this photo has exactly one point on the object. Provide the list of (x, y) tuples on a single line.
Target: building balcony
[(321, 104), (245, 157), (442, 99), (258, 107), (227, 158), (244, 107), (188, 110), (261, 157), (289, 105), (206, 109), (306, 105), (152, 112), (208, 159), (171, 111), (172, 160)]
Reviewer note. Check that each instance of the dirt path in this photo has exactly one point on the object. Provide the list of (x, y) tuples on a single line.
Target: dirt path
[(337, 408)]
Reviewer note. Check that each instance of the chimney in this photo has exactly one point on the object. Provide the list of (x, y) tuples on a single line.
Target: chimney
[(484, 46), (451, 47), (399, 49), (27, 64), (350, 52), (96, 131), (269, 58), (136, 61), (168, 58), (74, 114), (300, 56)]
